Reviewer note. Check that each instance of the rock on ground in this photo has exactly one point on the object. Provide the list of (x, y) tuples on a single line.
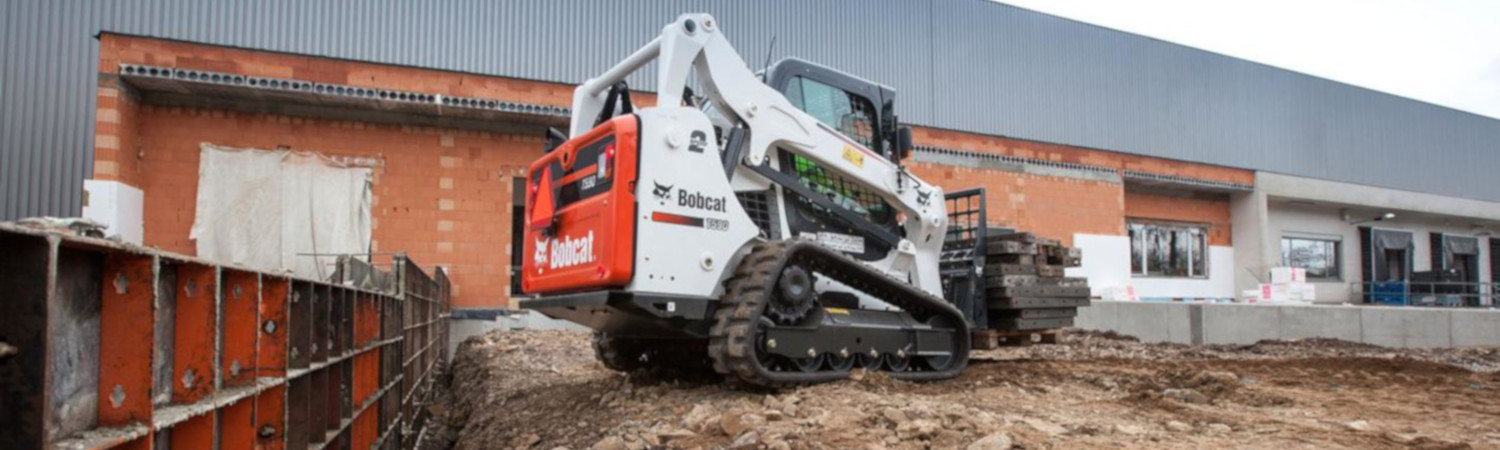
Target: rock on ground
[(543, 389)]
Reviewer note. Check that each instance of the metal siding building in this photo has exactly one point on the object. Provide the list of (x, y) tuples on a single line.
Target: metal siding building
[(968, 65)]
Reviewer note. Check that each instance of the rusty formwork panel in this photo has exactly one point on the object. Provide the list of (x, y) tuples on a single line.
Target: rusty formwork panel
[(118, 346)]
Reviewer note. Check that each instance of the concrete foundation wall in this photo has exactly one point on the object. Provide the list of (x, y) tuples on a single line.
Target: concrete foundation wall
[(1207, 323)]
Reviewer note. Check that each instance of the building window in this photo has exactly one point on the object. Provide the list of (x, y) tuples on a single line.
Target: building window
[(1319, 256), (1163, 249)]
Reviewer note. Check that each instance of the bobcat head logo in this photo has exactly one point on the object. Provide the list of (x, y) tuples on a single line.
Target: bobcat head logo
[(923, 197), (662, 192), (540, 257)]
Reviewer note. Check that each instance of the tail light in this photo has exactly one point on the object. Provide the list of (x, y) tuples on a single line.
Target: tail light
[(606, 161)]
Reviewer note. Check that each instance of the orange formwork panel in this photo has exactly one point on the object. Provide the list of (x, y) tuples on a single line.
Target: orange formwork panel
[(364, 432), (126, 338), (271, 346), (237, 427), (145, 349), (194, 333), (366, 376), (240, 317), (196, 432), (270, 419)]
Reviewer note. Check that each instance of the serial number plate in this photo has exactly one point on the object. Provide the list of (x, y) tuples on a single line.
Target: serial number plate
[(839, 241)]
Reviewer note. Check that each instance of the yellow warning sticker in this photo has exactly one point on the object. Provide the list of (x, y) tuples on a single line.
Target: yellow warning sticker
[(854, 157), (837, 311)]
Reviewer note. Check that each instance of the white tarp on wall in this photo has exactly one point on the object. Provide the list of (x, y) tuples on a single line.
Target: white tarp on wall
[(267, 209)]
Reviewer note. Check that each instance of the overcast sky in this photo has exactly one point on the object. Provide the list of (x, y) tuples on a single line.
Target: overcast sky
[(1439, 51)]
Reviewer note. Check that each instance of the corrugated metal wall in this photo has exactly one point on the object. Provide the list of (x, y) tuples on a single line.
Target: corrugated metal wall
[(961, 64)]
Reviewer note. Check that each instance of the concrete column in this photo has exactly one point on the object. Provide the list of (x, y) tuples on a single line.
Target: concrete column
[(1254, 247)]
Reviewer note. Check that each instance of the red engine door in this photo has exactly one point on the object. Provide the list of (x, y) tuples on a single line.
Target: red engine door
[(580, 211)]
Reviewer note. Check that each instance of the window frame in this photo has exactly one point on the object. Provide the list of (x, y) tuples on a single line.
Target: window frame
[(882, 98), (1338, 255), (1145, 257), (797, 92)]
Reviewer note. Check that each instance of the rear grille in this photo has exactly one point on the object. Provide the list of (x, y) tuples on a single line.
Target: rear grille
[(761, 206)]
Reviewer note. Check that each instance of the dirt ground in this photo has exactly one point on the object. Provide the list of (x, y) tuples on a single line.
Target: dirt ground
[(543, 390)]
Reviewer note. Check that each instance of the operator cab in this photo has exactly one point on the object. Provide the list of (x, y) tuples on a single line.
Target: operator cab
[(863, 111), (857, 108)]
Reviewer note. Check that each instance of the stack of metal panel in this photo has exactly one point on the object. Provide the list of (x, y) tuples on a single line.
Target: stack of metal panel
[(1025, 286)]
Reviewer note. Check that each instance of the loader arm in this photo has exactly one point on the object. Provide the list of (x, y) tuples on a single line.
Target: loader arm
[(693, 43)]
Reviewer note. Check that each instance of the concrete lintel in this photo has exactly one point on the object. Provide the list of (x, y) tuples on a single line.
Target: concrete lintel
[(977, 160), (181, 87), (1358, 195)]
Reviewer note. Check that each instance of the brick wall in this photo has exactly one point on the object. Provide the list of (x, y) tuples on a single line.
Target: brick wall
[(1050, 206), (116, 131), (1183, 208), (1058, 207), (442, 196)]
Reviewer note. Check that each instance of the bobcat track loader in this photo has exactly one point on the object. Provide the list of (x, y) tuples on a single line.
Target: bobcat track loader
[(766, 229)]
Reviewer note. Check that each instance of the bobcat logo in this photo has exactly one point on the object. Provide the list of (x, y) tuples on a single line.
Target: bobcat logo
[(540, 257), (923, 197), (662, 192)]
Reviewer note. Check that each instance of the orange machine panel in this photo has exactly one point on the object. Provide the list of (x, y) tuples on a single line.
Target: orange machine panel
[(580, 211)]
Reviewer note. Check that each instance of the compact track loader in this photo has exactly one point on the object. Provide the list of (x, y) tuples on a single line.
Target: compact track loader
[(767, 229)]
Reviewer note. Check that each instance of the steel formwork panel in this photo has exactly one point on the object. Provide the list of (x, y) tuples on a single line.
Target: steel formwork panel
[(133, 348)]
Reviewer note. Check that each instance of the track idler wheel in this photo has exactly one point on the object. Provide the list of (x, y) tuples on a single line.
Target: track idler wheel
[(794, 297), (939, 363)]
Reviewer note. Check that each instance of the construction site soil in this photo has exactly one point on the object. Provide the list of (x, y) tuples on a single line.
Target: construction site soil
[(544, 390)]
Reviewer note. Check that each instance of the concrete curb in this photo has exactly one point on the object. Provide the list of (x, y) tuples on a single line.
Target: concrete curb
[(1222, 323)]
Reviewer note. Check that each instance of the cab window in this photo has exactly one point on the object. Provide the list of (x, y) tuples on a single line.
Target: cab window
[(850, 114)]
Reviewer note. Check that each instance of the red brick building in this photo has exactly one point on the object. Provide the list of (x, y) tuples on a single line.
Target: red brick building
[(444, 175)]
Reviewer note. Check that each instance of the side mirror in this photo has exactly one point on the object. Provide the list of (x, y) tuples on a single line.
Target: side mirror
[(555, 139), (903, 143)]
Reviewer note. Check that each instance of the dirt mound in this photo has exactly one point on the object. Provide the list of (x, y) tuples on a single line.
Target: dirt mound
[(516, 389)]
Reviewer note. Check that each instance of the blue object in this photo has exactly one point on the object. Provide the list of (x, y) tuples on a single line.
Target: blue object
[(1388, 293)]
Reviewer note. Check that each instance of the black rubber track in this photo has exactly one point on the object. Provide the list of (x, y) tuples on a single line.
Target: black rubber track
[(731, 343)]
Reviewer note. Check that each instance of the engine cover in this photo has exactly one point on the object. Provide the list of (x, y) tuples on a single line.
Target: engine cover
[(580, 211)]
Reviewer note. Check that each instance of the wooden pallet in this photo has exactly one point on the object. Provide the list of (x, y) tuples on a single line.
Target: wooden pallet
[(993, 339)]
